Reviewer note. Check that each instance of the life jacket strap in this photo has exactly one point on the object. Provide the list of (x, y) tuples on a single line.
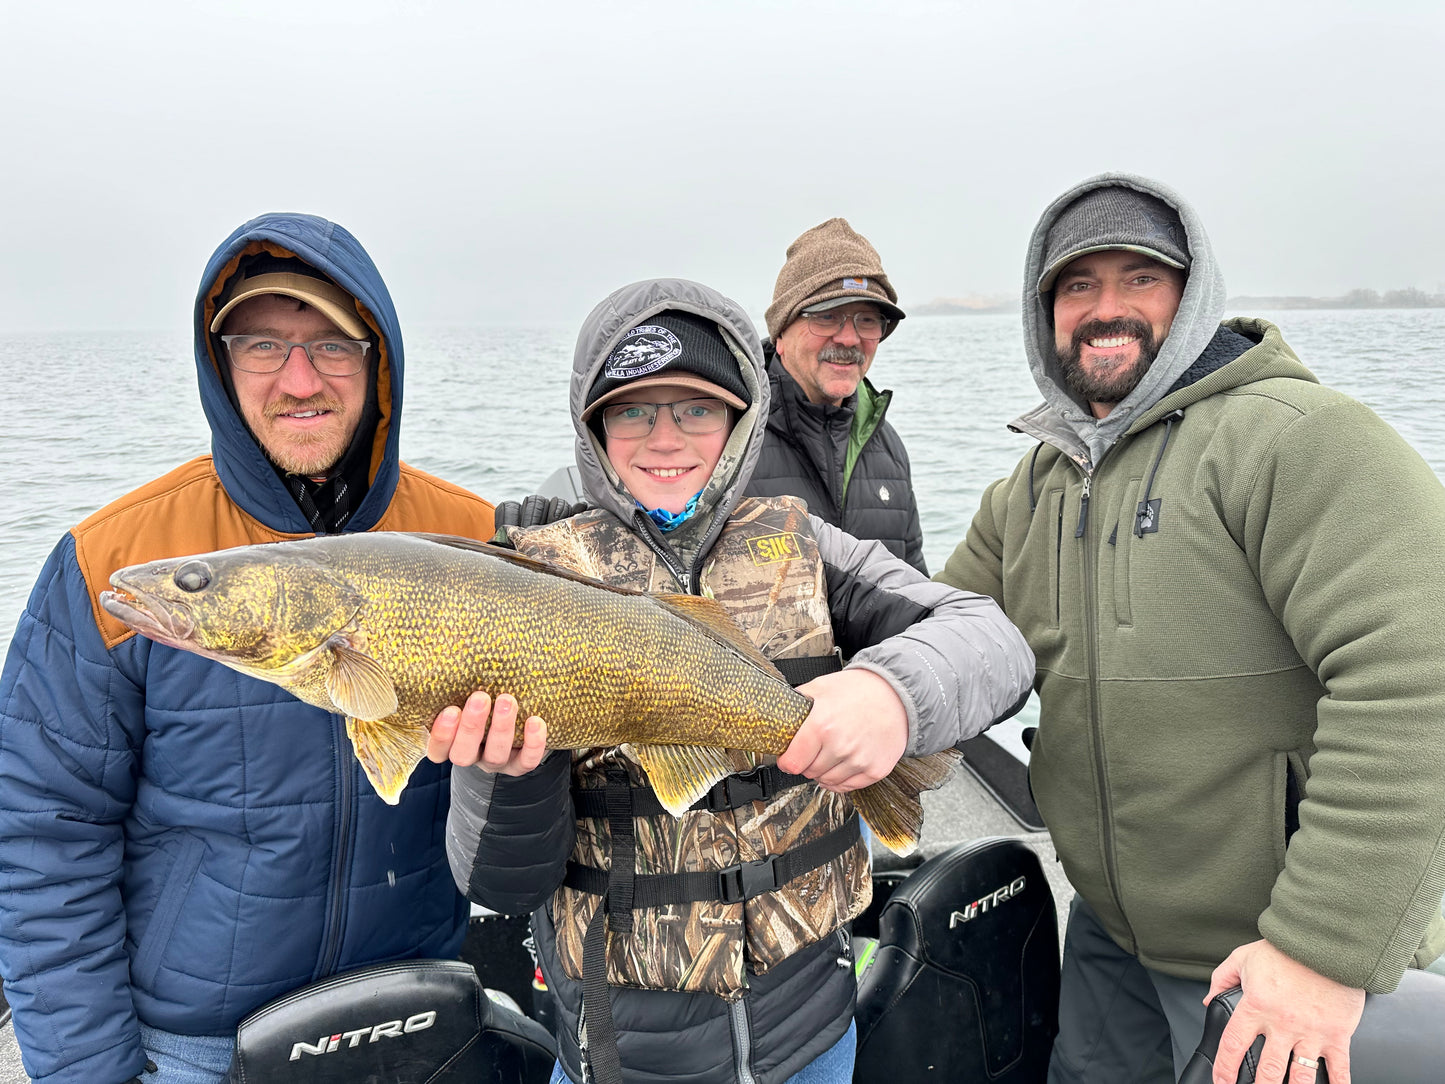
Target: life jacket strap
[(798, 671), (763, 783), (598, 1032), (621, 878), (733, 884)]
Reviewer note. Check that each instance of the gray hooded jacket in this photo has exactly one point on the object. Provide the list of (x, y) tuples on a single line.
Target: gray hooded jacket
[(955, 661), (1063, 419)]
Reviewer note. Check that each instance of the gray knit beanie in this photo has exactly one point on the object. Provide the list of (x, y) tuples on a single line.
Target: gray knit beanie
[(1113, 218), (830, 262)]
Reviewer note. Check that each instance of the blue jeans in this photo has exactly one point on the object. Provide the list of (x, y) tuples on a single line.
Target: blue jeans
[(833, 1066), (186, 1059)]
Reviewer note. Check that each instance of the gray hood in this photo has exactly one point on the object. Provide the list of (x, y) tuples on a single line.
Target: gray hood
[(604, 327), (1062, 418)]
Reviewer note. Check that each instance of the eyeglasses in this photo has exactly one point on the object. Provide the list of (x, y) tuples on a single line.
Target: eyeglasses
[(263, 354), (868, 325), (628, 421)]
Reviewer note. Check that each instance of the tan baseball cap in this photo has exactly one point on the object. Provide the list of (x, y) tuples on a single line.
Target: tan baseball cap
[(326, 297)]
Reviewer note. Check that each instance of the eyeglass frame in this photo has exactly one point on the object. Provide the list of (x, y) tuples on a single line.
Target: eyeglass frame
[(846, 319), (672, 409), (227, 340)]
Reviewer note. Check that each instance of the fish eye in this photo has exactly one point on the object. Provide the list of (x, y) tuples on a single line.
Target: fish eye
[(193, 576)]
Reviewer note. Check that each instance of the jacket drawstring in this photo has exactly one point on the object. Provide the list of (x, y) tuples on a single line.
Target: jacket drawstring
[(1033, 498), (1142, 514)]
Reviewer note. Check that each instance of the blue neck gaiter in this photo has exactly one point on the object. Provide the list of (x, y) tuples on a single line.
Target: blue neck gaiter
[(670, 521)]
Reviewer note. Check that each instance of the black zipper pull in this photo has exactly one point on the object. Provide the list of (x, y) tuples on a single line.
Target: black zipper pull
[(1084, 507)]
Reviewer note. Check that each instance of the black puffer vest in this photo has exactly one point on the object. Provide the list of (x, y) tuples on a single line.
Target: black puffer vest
[(804, 454)]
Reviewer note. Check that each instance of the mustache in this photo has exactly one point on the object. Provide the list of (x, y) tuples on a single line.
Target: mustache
[(289, 404), (850, 355), (1108, 329)]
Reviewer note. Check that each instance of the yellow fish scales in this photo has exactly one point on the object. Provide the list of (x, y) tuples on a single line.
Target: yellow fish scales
[(388, 629)]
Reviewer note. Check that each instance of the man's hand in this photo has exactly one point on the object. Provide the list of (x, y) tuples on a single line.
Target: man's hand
[(462, 736), (1298, 1011), (856, 732)]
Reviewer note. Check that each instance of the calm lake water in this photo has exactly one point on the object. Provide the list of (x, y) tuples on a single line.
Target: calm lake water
[(93, 415)]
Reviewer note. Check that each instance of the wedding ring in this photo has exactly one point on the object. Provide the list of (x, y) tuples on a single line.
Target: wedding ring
[(1308, 1063)]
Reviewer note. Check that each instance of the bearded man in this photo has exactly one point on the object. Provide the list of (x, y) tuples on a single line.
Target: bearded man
[(1228, 574)]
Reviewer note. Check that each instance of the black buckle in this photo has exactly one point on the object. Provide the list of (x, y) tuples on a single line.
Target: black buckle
[(735, 791), (748, 880)]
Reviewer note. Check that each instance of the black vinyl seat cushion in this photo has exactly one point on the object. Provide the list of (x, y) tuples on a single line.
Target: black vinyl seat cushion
[(411, 1022), (964, 984)]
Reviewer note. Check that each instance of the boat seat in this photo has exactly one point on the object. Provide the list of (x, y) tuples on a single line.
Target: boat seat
[(410, 1022), (964, 983), (1400, 1038)]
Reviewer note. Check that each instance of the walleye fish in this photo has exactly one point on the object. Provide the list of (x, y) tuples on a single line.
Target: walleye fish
[(389, 628)]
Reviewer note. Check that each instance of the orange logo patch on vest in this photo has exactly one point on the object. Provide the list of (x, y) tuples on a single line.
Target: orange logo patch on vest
[(770, 549)]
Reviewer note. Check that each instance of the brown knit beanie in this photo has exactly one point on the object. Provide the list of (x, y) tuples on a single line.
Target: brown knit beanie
[(830, 262)]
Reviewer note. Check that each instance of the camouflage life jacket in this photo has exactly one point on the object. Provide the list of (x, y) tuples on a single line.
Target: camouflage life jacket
[(771, 862)]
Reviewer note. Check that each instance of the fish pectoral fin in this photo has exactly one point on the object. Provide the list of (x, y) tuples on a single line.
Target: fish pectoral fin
[(891, 806), (711, 616), (388, 754), (681, 774), (359, 686)]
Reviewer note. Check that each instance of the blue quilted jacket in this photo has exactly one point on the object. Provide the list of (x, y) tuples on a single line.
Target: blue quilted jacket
[(180, 843)]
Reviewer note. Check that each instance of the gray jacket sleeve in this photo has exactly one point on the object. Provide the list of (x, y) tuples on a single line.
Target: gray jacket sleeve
[(508, 837), (957, 663)]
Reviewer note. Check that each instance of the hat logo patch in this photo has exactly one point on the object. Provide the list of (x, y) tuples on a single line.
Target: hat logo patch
[(645, 349), (1160, 230), (855, 284)]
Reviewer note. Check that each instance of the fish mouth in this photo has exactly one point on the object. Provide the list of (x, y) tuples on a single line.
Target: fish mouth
[(144, 614)]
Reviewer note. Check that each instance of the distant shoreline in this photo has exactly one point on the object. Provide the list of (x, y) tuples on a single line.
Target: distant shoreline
[(1355, 299), (945, 307)]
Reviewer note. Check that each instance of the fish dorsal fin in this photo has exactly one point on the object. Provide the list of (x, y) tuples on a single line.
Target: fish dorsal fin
[(681, 774), (358, 685), (388, 754), (712, 617), (512, 557)]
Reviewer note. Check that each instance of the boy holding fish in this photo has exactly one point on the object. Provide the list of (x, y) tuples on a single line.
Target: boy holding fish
[(726, 924)]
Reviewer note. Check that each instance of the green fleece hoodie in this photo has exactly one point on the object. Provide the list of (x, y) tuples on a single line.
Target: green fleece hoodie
[(1242, 630)]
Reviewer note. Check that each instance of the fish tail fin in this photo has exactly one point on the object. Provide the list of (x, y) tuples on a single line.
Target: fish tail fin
[(388, 754), (891, 806)]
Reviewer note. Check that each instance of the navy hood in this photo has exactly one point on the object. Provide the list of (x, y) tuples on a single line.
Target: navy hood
[(248, 476)]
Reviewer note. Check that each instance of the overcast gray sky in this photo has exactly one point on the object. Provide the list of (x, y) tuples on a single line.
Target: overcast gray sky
[(519, 161)]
